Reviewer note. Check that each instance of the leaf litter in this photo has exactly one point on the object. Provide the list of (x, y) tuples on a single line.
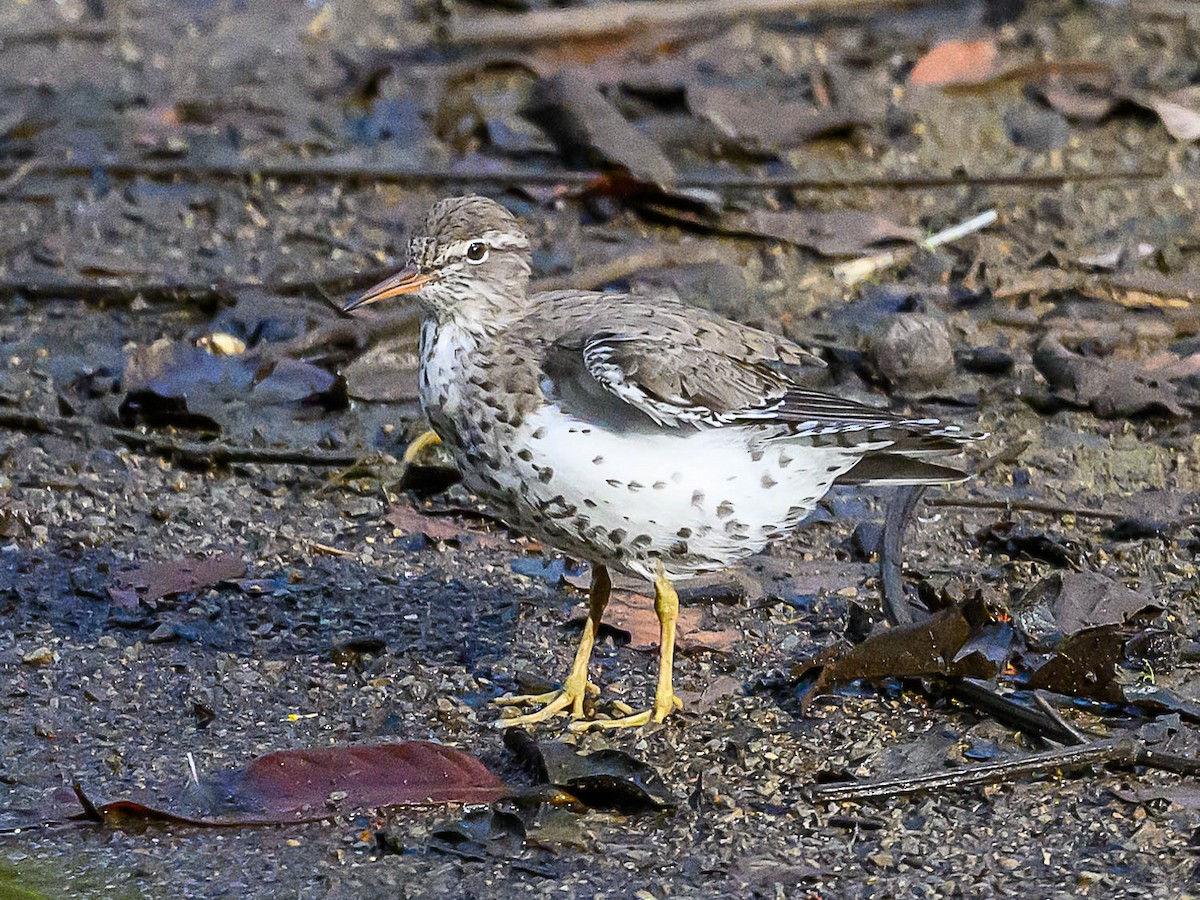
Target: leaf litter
[(926, 153)]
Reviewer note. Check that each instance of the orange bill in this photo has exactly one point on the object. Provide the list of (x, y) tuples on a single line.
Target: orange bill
[(406, 281)]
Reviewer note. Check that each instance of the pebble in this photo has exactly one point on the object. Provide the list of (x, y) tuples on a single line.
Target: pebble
[(914, 353), (42, 656)]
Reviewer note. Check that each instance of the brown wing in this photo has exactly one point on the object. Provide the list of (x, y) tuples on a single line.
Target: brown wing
[(669, 365)]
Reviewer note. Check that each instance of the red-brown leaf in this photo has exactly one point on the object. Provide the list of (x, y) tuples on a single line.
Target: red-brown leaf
[(307, 785), (153, 581), (634, 614), (955, 62), (408, 521), (298, 783)]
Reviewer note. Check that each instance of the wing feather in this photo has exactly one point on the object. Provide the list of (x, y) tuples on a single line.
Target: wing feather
[(668, 367)]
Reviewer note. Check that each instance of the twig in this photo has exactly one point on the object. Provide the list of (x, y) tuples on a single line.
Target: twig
[(1119, 752), (1051, 509), (982, 696), (658, 257), (91, 291), (196, 452), (165, 290), (78, 32), (309, 170), (608, 19), (857, 269), (891, 554), (17, 176), (90, 813), (217, 454), (1048, 708)]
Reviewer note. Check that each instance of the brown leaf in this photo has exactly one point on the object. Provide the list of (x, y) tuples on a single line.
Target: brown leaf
[(1085, 665), (959, 640), (408, 520), (585, 124), (767, 122), (149, 582), (308, 785), (1065, 603), (1111, 388), (955, 62), (1186, 796), (634, 614), (842, 232)]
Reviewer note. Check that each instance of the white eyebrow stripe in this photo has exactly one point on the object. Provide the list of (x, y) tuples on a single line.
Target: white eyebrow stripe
[(497, 240)]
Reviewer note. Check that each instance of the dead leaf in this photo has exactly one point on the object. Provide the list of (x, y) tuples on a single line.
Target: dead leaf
[(767, 123), (150, 582), (1077, 98), (955, 62), (721, 687), (587, 126), (605, 779), (309, 785), (1185, 796), (946, 643), (841, 232), (409, 521), (1068, 602), (1085, 665), (634, 614), (180, 384), (1020, 541), (1111, 388)]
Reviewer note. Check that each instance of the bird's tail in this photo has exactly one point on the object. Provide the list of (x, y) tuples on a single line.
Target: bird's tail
[(896, 469)]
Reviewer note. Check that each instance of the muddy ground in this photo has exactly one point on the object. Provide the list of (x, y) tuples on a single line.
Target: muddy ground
[(189, 192)]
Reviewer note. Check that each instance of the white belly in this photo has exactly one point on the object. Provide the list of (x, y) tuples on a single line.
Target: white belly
[(697, 499)]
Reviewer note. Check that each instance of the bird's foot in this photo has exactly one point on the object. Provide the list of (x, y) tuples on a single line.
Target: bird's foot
[(418, 447), (664, 705), (567, 699)]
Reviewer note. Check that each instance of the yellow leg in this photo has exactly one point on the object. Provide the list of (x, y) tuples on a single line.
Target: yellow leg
[(418, 446), (666, 605), (576, 687)]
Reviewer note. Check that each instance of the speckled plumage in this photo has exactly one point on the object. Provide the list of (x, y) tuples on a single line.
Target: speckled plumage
[(636, 433), (629, 430)]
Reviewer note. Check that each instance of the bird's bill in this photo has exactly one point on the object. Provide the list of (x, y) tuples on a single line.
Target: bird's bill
[(406, 281)]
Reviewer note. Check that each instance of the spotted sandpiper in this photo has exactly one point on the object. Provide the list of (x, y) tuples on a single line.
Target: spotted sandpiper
[(637, 433)]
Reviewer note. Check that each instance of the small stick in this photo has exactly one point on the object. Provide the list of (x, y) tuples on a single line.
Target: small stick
[(193, 451), (856, 270), (1048, 708), (1123, 751), (608, 19), (9, 184), (983, 697), (1050, 509), (317, 169), (659, 257)]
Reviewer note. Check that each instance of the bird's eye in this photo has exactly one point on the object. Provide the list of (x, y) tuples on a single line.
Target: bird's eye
[(477, 252)]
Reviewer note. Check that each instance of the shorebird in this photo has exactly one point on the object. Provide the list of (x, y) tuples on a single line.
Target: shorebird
[(637, 433)]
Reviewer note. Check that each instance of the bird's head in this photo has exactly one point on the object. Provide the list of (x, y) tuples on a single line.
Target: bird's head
[(467, 261)]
